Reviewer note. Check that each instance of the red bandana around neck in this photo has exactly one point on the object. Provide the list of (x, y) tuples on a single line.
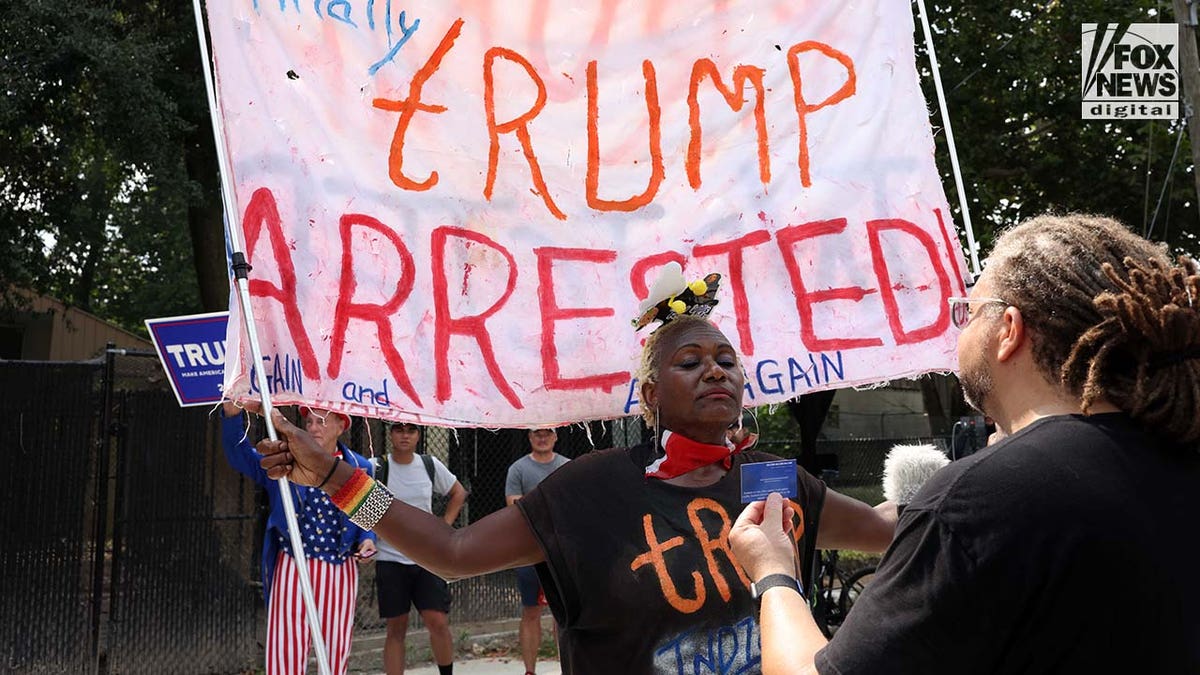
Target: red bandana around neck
[(682, 455)]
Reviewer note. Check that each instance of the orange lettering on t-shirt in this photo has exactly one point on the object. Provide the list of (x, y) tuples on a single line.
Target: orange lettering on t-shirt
[(797, 521), (657, 560), (719, 543)]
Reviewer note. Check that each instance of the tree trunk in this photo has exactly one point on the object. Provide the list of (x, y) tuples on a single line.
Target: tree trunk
[(205, 222), (82, 293), (931, 395), (809, 411)]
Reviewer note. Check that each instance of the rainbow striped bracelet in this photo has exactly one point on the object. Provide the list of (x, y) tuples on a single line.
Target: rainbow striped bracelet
[(363, 499)]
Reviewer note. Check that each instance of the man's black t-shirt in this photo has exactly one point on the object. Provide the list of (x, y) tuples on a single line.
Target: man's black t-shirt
[(1070, 547), (640, 574)]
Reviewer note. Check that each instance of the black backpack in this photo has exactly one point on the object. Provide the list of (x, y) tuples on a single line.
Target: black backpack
[(439, 501)]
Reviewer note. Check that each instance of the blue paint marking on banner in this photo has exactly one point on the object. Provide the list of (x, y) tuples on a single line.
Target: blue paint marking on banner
[(192, 351)]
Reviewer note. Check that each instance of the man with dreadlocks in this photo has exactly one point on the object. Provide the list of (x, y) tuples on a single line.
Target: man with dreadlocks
[(1066, 547)]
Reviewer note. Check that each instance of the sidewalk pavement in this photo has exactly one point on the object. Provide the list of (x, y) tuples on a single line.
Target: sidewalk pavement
[(486, 648), (490, 666)]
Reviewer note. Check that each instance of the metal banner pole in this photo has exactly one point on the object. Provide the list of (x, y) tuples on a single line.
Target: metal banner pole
[(241, 278), (958, 181)]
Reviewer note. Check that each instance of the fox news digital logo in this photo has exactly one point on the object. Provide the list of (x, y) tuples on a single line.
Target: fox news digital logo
[(1130, 71)]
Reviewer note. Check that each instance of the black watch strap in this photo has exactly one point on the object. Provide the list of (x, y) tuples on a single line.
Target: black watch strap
[(771, 581)]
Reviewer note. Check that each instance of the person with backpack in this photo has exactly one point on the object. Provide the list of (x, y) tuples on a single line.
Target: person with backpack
[(399, 582)]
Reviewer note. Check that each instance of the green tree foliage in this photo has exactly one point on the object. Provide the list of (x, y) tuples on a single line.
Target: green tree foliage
[(96, 201), (1011, 73)]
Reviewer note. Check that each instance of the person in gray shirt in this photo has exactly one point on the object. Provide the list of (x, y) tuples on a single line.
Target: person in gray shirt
[(524, 475)]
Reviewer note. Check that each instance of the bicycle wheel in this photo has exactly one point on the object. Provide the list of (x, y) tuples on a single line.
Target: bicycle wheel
[(823, 595), (852, 587)]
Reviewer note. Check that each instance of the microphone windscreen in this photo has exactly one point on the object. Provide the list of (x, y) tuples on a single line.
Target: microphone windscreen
[(906, 469)]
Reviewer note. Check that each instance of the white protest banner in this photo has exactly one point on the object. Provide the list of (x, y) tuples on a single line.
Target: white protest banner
[(452, 209)]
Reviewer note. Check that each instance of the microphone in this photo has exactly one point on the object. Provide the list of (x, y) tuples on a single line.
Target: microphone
[(906, 469)]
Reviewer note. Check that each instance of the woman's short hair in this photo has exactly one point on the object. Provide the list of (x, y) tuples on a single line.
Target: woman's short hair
[(652, 355)]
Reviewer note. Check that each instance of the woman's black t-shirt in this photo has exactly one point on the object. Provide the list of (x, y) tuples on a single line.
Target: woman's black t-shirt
[(640, 574)]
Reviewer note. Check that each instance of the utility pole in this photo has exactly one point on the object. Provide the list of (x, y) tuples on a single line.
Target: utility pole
[(1189, 73)]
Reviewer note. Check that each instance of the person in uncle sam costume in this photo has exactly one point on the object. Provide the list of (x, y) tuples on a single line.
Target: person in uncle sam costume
[(332, 543), (631, 544)]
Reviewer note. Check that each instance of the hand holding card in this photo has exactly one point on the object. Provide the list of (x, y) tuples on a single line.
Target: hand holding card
[(762, 540), (760, 479)]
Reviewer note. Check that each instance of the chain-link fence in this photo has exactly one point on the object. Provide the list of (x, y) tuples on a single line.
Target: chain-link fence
[(131, 546), (858, 463), (183, 542), (48, 511), (127, 543)]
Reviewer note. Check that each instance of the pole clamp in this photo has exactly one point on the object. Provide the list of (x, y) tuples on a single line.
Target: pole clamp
[(241, 268)]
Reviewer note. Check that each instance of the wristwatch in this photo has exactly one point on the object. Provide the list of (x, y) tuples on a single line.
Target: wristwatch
[(761, 586)]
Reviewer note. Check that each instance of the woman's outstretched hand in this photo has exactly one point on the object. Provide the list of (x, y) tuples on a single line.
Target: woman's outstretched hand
[(762, 539), (295, 456)]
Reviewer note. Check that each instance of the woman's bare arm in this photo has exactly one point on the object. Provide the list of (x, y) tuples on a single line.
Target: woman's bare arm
[(499, 541), (847, 523)]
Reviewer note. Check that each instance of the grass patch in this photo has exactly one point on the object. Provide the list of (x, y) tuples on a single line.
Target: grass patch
[(548, 649)]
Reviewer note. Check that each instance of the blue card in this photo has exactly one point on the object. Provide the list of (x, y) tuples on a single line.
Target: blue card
[(760, 479)]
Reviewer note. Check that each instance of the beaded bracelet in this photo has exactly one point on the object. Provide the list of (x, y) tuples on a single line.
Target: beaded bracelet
[(363, 499)]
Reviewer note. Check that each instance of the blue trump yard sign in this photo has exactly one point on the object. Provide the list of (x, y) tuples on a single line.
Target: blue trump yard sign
[(192, 351)]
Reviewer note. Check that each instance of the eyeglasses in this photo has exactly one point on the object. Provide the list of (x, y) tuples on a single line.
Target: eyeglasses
[(960, 309)]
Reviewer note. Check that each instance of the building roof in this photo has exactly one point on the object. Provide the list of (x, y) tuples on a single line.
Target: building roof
[(47, 329)]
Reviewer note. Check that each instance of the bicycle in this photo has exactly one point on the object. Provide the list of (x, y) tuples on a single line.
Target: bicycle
[(833, 590)]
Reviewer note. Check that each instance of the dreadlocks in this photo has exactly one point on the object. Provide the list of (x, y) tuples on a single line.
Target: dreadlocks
[(1111, 317)]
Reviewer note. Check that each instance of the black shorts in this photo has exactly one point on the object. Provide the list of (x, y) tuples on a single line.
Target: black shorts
[(401, 586)]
